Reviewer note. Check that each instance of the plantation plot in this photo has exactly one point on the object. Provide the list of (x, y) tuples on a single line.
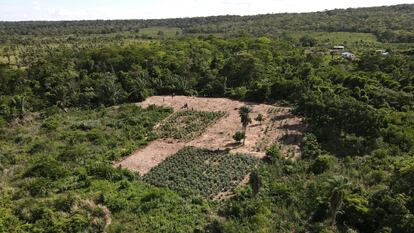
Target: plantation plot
[(211, 124), (201, 171), (187, 124)]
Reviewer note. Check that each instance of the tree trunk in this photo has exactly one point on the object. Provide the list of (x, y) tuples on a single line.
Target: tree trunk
[(244, 138)]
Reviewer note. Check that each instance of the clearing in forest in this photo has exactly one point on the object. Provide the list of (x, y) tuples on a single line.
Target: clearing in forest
[(279, 125)]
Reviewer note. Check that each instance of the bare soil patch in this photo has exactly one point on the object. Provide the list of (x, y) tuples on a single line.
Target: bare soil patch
[(280, 125)]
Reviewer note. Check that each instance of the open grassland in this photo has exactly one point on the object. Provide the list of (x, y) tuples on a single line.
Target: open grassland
[(156, 32), (201, 171), (353, 39)]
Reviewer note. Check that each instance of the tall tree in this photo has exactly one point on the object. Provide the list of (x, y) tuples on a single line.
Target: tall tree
[(245, 118), (255, 182), (339, 185), (19, 103)]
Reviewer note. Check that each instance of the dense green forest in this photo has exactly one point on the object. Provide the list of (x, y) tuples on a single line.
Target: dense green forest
[(59, 131)]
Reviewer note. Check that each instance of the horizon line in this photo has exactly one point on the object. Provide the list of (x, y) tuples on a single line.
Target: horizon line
[(207, 16)]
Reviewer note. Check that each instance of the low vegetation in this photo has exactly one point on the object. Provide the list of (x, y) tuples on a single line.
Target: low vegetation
[(201, 171), (65, 181)]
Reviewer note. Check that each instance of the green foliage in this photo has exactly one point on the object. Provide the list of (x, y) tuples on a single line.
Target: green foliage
[(244, 116), (310, 147), (260, 118), (273, 153), (321, 164), (238, 136), (201, 171), (308, 41), (255, 182), (51, 123), (47, 169)]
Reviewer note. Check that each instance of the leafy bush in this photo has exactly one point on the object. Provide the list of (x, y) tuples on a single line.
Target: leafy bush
[(321, 164), (48, 168), (310, 147), (238, 136), (273, 153), (51, 123)]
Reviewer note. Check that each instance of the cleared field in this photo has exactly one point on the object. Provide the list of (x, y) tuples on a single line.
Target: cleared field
[(201, 171), (160, 31), (279, 125), (333, 38)]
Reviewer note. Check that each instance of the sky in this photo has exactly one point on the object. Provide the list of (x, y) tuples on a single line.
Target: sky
[(22, 10)]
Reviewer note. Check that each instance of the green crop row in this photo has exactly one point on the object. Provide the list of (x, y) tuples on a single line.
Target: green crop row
[(201, 171), (188, 124)]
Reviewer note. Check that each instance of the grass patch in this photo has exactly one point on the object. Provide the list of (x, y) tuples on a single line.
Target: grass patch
[(201, 171), (187, 124), (338, 38), (155, 32)]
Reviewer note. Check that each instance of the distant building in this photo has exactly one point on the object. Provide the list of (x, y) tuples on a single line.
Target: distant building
[(337, 49), (382, 52), (348, 55)]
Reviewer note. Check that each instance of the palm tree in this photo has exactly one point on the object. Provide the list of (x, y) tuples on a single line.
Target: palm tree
[(19, 103), (339, 185), (245, 118), (255, 182)]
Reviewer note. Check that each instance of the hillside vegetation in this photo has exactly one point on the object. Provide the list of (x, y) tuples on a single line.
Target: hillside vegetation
[(66, 117), (389, 24)]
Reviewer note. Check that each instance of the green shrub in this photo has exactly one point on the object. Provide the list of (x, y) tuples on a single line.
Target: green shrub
[(105, 171), (310, 147), (47, 168), (3, 122), (51, 123), (321, 164), (238, 136), (260, 118), (273, 153), (39, 187)]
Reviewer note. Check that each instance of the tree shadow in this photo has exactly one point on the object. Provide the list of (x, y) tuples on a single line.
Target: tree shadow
[(283, 117), (233, 145), (295, 127), (292, 139)]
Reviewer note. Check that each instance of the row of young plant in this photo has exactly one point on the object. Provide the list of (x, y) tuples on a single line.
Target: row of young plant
[(201, 171), (188, 124)]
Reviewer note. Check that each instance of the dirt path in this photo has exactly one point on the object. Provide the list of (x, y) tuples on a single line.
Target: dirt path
[(279, 125), (154, 153)]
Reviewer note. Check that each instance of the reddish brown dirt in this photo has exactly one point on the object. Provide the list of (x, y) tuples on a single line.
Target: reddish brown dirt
[(144, 159), (280, 125)]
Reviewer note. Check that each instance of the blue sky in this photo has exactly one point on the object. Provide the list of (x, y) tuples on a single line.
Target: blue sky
[(17, 10)]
